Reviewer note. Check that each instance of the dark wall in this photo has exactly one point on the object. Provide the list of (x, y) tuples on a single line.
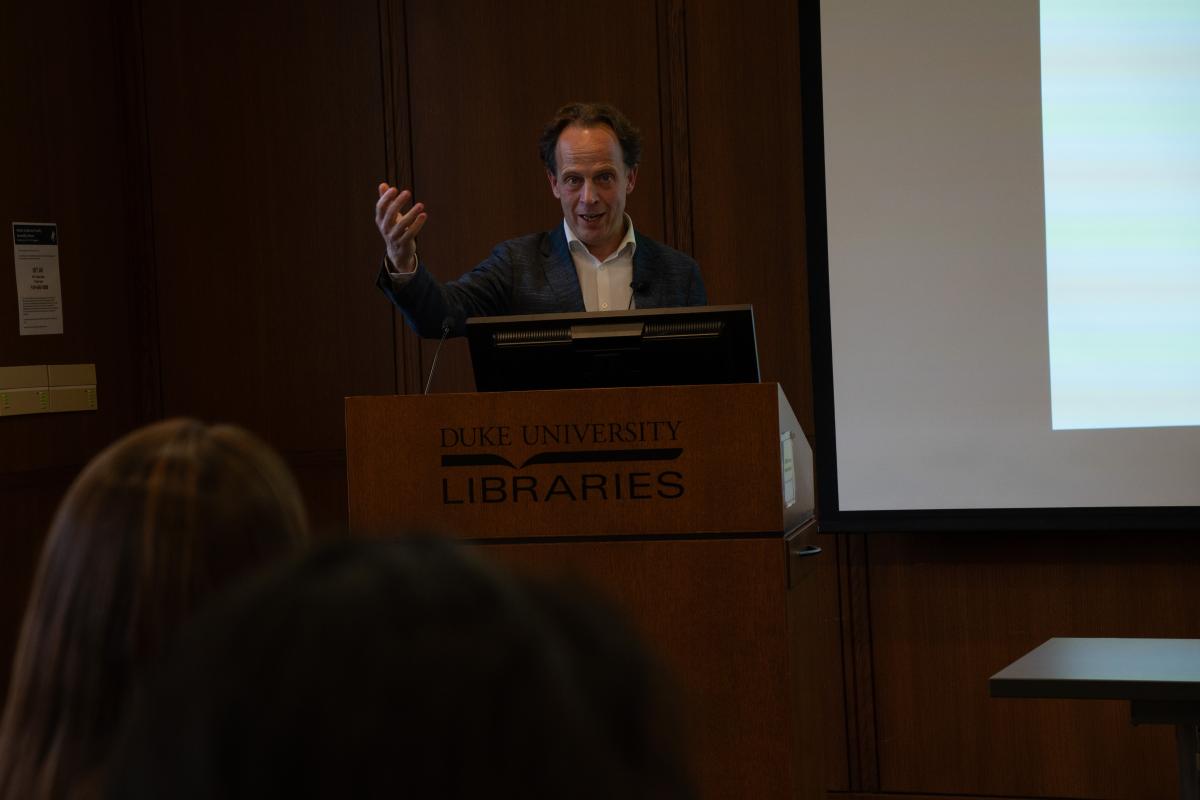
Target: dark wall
[(213, 169), (266, 139), (69, 157)]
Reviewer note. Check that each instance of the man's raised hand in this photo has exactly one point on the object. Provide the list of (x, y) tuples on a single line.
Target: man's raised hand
[(398, 227)]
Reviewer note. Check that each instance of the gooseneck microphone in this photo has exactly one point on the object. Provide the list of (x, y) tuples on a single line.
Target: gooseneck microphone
[(447, 324)]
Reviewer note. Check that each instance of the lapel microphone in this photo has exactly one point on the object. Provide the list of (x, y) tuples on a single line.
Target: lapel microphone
[(636, 286), (447, 324)]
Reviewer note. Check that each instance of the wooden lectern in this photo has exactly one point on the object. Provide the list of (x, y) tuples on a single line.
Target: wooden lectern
[(692, 506)]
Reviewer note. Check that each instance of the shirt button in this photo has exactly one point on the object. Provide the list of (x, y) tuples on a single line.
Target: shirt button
[(604, 306)]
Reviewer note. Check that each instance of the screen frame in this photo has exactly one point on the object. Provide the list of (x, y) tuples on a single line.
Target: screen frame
[(830, 517)]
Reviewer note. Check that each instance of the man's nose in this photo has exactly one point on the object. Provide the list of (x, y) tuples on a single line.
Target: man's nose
[(588, 194)]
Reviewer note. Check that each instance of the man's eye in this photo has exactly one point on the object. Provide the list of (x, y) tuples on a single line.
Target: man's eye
[(573, 180)]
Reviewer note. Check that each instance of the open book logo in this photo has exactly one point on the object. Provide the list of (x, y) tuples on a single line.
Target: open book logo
[(563, 457)]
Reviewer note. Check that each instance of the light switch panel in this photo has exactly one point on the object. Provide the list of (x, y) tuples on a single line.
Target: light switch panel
[(71, 375), (76, 398), (24, 401), (43, 389), (35, 377)]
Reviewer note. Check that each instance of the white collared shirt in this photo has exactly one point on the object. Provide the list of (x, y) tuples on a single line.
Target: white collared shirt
[(606, 284)]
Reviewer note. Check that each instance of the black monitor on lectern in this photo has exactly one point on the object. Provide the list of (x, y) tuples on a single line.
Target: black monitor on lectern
[(643, 347)]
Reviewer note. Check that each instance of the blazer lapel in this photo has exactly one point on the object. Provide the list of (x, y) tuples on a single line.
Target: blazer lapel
[(643, 290), (560, 271)]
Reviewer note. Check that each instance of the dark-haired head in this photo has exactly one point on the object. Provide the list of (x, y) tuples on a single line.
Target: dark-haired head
[(588, 115), (626, 689), (375, 668), (149, 528)]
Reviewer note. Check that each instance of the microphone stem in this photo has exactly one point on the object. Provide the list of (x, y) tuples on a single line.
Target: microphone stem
[(436, 353)]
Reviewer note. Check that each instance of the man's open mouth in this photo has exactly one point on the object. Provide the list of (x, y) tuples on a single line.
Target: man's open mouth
[(590, 217)]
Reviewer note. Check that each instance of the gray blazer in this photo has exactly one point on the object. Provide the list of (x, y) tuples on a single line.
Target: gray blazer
[(534, 274)]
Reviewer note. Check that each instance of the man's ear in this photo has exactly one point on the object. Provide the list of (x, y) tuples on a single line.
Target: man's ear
[(631, 179), (550, 176)]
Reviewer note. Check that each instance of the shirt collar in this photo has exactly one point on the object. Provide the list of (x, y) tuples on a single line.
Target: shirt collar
[(629, 240)]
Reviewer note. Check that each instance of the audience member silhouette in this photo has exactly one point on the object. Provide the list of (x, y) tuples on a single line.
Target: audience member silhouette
[(626, 690), (152, 525), (402, 668)]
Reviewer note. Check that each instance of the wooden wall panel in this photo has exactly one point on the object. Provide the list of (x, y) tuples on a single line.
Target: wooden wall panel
[(321, 477), (747, 176), (63, 134), (676, 142), (27, 504), (948, 611), (483, 79), (266, 131), (835, 649)]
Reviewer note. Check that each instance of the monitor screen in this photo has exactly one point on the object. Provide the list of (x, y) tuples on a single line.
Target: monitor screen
[(643, 347)]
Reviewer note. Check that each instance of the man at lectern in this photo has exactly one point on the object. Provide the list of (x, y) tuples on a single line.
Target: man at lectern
[(593, 261)]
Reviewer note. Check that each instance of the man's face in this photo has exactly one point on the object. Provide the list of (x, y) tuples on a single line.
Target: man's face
[(591, 185)]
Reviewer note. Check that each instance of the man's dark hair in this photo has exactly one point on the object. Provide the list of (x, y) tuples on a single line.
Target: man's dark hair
[(588, 115)]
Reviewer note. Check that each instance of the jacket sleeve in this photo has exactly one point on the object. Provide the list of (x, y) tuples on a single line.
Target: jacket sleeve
[(696, 295), (483, 292)]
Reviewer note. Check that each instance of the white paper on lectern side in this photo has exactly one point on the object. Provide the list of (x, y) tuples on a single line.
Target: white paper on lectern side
[(787, 456)]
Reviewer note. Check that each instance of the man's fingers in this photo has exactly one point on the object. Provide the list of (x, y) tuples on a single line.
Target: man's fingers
[(401, 222), (383, 204), (389, 205), (398, 226), (412, 229)]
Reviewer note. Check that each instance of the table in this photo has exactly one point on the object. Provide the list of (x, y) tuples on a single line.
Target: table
[(1159, 677)]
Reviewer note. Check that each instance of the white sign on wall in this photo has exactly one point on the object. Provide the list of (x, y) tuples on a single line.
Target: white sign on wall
[(39, 292)]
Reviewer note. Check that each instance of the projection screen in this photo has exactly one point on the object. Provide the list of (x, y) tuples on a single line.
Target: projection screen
[(1004, 249)]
